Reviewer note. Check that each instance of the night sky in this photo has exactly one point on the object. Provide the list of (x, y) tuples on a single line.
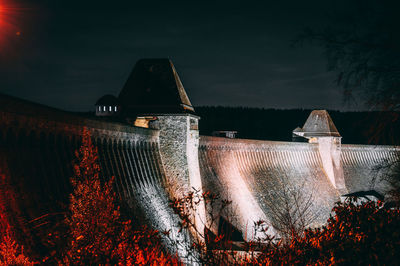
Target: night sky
[(67, 54)]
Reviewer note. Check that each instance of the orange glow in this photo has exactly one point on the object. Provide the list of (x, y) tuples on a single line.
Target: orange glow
[(10, 23)]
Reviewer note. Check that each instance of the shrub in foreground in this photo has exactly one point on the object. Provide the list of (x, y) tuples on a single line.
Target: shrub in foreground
[(356, 234), (98, 234)]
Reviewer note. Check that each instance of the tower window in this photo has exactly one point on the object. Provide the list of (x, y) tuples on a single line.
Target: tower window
[(109, 108), (115, 108), (104, 108)]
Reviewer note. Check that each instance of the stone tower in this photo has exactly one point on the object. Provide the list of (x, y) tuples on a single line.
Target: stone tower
[(320, 129), (154, 93)]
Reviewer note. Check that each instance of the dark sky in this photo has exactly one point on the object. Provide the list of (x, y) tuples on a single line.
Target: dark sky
[(238, 53)]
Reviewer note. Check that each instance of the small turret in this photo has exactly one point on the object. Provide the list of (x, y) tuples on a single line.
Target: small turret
[(319, 124), (107, 105), (320, 129), (154, 97), (154, 87)]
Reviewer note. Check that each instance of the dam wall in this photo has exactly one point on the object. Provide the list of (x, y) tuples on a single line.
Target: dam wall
[(37, 150), (268, 181), (261, 176), (368, 167)]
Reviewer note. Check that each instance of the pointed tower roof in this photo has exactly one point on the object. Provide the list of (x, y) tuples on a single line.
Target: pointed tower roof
[(319, 124), (154, 87)]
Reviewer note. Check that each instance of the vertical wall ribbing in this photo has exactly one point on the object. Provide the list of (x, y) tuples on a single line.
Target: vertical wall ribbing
[(113, 167), (132, 159), (138, 159), (128, 167), (150, 162), (146, 163), (122, 168)]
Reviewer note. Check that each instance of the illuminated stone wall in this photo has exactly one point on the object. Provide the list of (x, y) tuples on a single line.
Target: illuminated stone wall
[(36, 155), (330, 152), (173, 146), (179, 142), (366, 167), (250, 174)]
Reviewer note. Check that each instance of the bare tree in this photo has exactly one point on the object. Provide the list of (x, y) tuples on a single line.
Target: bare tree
[(289, 207), (214, 246), (362, 45), (388, 171)]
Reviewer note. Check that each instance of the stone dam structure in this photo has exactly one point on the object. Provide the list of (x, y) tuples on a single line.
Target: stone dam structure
[(148, 139)]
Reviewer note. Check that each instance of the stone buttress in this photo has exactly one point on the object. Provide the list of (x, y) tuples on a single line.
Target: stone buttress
[(320, 129), (154, 93)]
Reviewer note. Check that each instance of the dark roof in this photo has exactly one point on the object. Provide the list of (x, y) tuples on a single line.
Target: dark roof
[(154, 87), (320, 124), (108, 100)]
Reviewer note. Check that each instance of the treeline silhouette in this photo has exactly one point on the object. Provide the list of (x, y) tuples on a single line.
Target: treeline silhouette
[(276, 124)]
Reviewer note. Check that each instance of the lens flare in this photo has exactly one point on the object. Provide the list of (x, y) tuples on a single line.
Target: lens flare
[(10, 23)]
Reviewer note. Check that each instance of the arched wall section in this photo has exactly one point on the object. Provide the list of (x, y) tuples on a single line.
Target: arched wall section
[(250, 173), (367, 167), (37, 156), (253, 172)]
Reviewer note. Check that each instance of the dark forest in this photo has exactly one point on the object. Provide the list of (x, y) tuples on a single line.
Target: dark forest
[(277, 125)]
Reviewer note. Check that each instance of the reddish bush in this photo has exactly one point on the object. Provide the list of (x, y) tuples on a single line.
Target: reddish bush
[(356, 234), (11, 253), (98, 234)]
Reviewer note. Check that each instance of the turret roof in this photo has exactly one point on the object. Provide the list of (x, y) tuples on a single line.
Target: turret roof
[(320, 124), (154, 87), (107, 99)]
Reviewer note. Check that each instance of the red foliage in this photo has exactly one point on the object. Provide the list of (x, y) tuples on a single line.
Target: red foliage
[(98, 234), (356, 234), (11, 253)]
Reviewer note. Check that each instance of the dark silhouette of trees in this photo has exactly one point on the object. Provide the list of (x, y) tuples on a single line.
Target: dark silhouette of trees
[(273, 124), (362, 45)]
